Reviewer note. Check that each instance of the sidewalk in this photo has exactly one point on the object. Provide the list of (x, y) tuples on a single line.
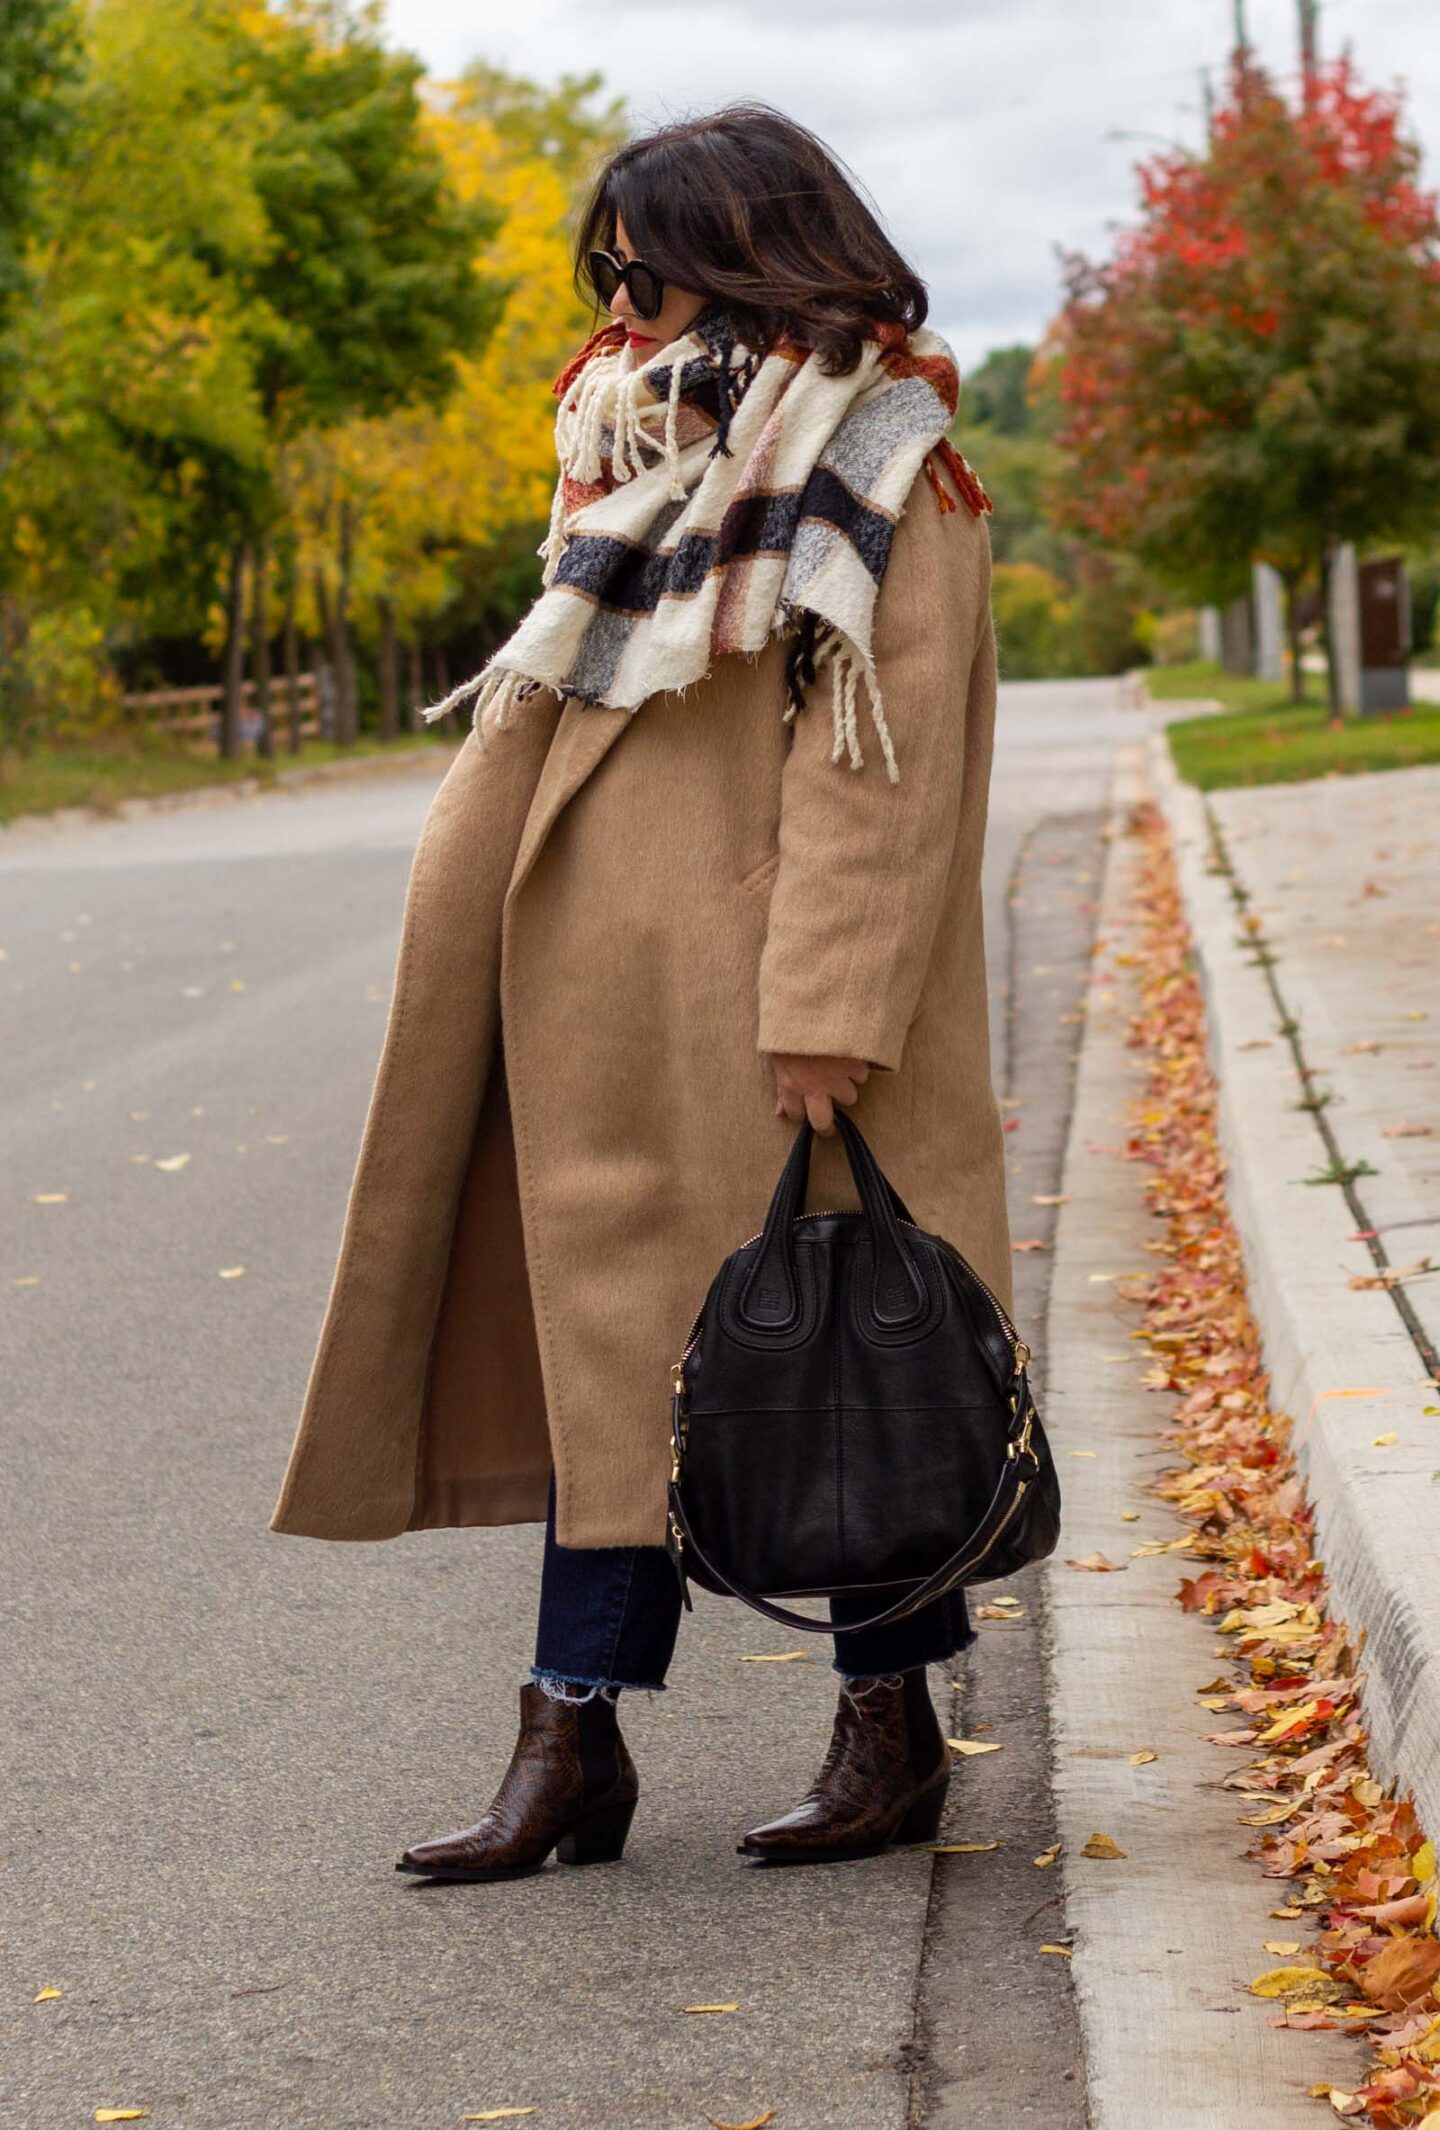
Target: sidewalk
[(1316, 915)]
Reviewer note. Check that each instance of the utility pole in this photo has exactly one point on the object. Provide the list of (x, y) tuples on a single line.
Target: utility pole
[(1242, 42), (1309, 48), (1207, 103)]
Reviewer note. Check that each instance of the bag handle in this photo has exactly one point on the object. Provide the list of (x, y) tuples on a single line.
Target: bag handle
[(770, 1297), (1022, 1469)]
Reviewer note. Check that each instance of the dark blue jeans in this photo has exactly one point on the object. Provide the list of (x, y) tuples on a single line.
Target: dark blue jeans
[(609, 1616)]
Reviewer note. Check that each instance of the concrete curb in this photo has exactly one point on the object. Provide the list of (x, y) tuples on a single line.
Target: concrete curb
[(1340, 1360), (1165, 1938), (67, 818)]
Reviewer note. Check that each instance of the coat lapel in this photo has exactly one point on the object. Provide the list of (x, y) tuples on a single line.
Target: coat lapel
[(583, 738)]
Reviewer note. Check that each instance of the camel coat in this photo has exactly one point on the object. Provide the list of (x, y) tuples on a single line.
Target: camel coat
[(647, 905)]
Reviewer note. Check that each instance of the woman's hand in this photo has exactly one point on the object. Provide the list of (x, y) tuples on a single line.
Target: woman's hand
[(810, 1087)]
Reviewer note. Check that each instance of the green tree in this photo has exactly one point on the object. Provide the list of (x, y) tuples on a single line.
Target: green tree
[(368, 291), (38, 57)]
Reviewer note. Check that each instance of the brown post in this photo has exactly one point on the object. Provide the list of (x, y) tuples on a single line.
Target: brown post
[(290, 652), (417, 686), (260, 646), (234, 654), (389, 673)]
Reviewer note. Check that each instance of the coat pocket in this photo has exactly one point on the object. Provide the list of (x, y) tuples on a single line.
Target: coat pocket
[(761, 878)]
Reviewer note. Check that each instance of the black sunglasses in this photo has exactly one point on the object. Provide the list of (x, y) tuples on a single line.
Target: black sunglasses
[(647, 290)]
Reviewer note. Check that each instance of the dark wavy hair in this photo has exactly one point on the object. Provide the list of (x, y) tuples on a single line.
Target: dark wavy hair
[(747, 207)]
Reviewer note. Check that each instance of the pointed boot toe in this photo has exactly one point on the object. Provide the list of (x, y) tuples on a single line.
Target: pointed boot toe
[(571, 1787), (884, 1781)]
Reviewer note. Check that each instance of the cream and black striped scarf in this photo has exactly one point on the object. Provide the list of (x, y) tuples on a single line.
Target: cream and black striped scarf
[(710, 498)]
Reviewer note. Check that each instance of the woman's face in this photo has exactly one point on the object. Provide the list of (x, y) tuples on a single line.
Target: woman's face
[(680, 307)]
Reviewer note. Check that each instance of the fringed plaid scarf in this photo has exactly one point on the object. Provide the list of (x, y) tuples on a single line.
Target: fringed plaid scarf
[(711, 498)]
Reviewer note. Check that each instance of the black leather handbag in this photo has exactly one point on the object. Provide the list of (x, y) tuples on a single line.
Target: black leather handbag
[(852, 1413)]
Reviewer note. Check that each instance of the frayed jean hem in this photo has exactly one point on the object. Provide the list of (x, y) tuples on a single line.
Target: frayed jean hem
[(559, 1686)]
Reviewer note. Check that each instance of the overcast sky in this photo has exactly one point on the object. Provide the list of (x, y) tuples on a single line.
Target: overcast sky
[(982, 128)]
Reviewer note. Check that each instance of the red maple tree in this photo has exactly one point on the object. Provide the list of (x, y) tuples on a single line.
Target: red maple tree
[(1255, 371)]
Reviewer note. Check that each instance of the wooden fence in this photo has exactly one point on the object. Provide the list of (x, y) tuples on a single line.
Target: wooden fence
[(193, 714)]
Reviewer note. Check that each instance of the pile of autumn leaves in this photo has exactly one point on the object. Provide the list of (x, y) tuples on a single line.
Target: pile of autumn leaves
[(1351, 1858)]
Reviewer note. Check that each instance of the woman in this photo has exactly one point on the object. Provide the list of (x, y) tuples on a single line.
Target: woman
[(710, 865)]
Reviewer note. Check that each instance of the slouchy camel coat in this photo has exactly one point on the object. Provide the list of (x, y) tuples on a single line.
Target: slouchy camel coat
[(612, 918)]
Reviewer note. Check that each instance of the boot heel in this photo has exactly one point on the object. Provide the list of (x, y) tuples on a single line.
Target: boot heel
[(600, 1840), (922, 1822)]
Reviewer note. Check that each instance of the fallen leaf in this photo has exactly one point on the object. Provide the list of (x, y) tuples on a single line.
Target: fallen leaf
[(1143, 1759), (1099, 1565), (1407, 1128), (1402, 1972), (1066, 1952), (695, 2008), (969, 1747), (172, 1162), (783, 1656), (1129, 1516), (1103, 1849), (120, 2115), (1084, 1453), (45, 1995), (756, 2122), (1000, 1612), (1385, 1442), (1047, 1857), (962, 1848), (236, 984), (232, 1272), (1290, 1981), (497, 2115), (26, 1279), (1050, 1198), (51, 1198), (1282, 1947)]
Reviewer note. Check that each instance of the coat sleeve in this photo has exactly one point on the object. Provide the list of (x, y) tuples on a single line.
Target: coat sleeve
[(863, 862)]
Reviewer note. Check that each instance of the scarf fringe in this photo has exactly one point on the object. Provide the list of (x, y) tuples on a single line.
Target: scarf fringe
[(497, 693), (813, 644), (604, 397)]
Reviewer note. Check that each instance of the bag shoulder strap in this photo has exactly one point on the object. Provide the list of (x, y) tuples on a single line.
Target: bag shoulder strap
[(1022, 1469)]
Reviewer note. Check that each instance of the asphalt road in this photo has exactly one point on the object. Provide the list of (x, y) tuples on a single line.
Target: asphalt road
[(214, 1741)]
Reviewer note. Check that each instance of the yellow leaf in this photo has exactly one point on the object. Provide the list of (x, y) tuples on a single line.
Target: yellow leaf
[(496, 2115), (232, 1272), (756, 2122), (709, 2007), (1282, 1947), (1082, 1453), (46, 1994), (1215, 1701), (1422, 1863), (236, 984), (120, 2115), (962, 1848), (1281, 1981), (1047, 1857), (1386, 1442), (1143, 1758), (1102, 1848), (784, 1656), (1129, 1516), (971, 1746), (1066, 1952), (172, 1162), (51, 1198)]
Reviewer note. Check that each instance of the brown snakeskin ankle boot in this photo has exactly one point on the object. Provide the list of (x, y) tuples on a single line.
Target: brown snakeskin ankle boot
[(571, 1786), (884, 1780)]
